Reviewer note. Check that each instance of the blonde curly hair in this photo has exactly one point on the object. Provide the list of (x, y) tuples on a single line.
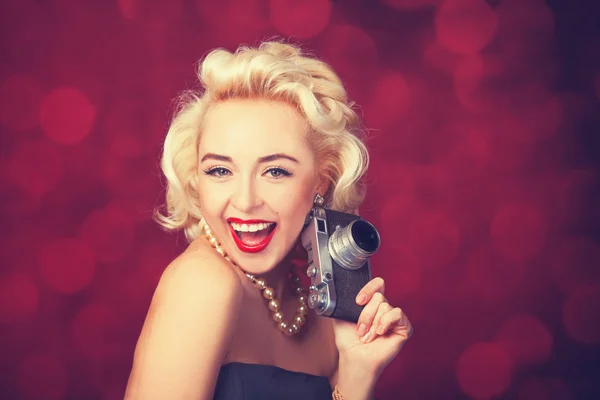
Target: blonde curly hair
[(276, 71)]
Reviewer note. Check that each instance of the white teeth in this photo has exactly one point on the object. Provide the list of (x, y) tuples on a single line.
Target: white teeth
[(251, 227)]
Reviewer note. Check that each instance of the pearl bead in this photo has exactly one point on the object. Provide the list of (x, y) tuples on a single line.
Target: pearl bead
[(299, 320), (268, 293), (303, 309), (274, 305), (278, 316)]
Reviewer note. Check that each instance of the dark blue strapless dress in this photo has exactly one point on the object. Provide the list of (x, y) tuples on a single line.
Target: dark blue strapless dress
[(243, 381)]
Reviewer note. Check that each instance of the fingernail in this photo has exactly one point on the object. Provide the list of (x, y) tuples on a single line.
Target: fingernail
[(366, 338), (361, 298), (362, 328), (380, 330)]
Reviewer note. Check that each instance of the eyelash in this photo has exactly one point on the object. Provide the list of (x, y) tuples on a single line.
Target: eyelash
[(284, 172)]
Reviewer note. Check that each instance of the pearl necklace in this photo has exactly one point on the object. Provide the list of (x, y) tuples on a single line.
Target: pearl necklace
[(289, 328)]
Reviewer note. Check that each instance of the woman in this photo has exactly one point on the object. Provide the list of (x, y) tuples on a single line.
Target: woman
[(245, 160)]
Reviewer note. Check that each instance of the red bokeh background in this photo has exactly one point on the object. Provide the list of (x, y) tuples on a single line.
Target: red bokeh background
[(482, 181)]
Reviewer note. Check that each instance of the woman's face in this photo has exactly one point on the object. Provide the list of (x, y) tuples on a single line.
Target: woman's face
[(257, 179)]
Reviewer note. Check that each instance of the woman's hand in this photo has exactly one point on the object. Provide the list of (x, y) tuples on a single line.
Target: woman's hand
[(381, 331)]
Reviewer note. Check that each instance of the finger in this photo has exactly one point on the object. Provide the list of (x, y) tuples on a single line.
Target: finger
[(397, 321), (393, 317), (383, 309), (366, 293), (365, 319)]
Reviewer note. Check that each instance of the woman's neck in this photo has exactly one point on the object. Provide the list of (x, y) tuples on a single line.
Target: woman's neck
[(278, 279)]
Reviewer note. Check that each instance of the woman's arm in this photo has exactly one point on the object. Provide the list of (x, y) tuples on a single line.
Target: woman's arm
[(187, 330)]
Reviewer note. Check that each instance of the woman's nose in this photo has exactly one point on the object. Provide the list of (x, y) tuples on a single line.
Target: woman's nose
[(246, 197)]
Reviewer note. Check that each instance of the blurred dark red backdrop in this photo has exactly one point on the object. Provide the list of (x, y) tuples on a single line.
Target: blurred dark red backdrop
[(483, 120)]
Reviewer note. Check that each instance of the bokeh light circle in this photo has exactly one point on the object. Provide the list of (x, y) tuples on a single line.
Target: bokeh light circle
[(19, 298), (526, 339), (109, 232), (67, 116), (389, 100), (42, 376), (465, 26), (519, 231), (352, 52), (35, 166), (347, 45), (581, 313), (67, 264), (484, 370), (437, 56), (300, 19), (20, 101)]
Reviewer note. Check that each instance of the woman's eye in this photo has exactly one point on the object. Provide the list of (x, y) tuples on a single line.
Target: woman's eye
[(278, 172), (218, 172)]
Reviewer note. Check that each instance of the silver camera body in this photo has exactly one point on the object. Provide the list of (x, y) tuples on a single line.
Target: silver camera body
[(339, 246)]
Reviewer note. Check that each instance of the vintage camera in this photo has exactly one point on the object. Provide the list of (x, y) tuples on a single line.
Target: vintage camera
[(339, 246)]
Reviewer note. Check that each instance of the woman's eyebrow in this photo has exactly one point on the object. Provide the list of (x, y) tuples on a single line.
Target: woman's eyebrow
[(276, 156), (213, 156), (269, 158)]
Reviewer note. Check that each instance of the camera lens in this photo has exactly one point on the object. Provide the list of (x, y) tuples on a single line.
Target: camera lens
[(365, 236), (351, 245)]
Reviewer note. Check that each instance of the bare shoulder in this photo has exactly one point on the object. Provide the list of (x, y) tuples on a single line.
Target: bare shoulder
[(188, 327), (200, 265), (199, 277)]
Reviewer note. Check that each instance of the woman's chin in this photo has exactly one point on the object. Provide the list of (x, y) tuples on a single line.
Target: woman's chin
[(253, 265)]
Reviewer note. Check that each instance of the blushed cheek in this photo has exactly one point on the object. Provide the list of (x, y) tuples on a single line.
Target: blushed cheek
[(212, 202), (299, 201)]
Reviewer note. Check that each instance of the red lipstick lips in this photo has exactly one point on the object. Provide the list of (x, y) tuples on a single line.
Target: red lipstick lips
[(245, 247)]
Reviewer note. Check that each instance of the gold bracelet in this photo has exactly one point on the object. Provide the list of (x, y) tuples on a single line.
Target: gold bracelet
[(336, 395)]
